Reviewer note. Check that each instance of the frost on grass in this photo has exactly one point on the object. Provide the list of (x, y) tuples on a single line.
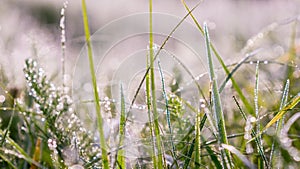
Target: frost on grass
[(69, 142)]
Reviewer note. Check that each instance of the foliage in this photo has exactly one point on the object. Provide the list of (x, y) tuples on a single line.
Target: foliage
[(234, 125)]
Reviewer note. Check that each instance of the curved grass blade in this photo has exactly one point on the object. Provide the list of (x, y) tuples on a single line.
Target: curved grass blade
[(96, 93), (217, 106), (239, 155)]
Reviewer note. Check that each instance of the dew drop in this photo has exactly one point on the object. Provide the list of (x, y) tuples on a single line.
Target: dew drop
[(250, 42), (2, 98), (252, 119)]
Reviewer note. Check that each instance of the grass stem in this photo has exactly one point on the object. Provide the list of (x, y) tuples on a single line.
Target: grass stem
[(95, 88)]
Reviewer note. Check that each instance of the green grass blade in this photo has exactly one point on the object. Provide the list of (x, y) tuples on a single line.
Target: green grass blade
[(151, 126), (197, 139), (121, 153), (256, 99), (96, 93), (239, 155), (160, 163), (217, 106), (279, 124), (261, 162), (167, 112), (189, 155)]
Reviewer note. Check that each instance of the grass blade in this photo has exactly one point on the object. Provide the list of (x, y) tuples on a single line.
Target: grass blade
[(261, 162), (160, 160), (256, 99), (189, 155), (95, 89), (279, 124), (197, 139), (151, 126), (217, 106), (121, 153), (168, 112)]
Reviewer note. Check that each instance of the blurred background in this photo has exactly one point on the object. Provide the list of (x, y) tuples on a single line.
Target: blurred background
[(31, 28)]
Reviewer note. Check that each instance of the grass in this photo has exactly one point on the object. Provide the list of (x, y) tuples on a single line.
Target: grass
[(232, 125), (105, 161), (217, 105)]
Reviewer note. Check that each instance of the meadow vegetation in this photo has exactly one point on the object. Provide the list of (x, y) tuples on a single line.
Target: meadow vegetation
[(242, 114)]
